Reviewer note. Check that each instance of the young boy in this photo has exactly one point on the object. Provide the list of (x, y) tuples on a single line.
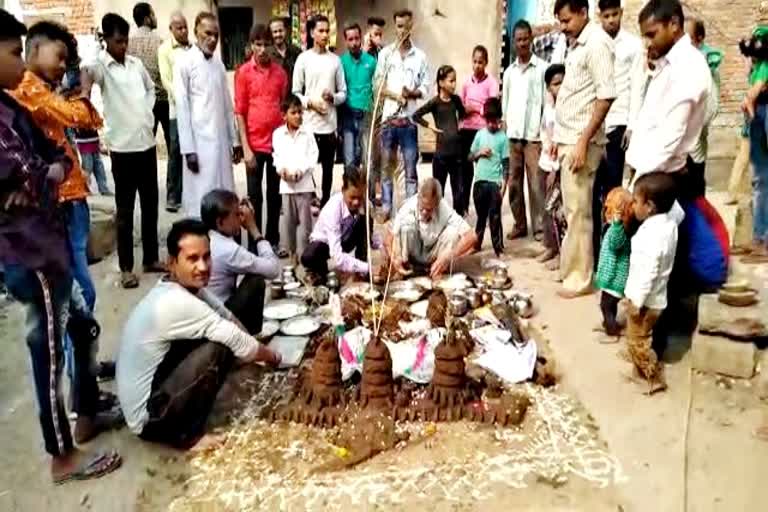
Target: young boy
[(33, 252), (295, 153), (650, 264), (490, 152), (553, 217)]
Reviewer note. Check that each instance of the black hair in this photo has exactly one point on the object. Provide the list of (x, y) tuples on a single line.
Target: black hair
[(658, 187), (202, 16), (755, 47), (215, 205), (320, 18), (442, 74), (552, 71), (662, 10), (141, 11), (522, 25), (573, 5), (290, 102), (352, 26), (482, 50), (604, 5), (52, 31), (699, 30), (492, 108), (260, 32), (182, 228), (10, 27), (113, 24), (403, 13), (279, 19), (375, 20), (353, 177)]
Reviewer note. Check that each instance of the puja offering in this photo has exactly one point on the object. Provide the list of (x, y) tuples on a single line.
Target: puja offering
[(284, 309), (300, 326)]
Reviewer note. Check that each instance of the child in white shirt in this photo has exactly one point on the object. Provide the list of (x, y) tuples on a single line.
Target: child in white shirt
[(295, 155), (650, 264)]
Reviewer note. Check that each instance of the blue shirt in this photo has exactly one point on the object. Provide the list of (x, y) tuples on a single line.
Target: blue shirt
[(359, 76), (491, 168)]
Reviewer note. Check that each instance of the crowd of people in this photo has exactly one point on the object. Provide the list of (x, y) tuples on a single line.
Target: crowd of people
[(576, 107)]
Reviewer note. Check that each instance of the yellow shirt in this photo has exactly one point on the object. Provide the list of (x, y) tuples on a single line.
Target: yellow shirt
[(166, 58)]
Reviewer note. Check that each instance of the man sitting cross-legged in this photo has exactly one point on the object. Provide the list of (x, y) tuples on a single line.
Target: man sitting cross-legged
[(428, 234), (178, 345), (225, 215)]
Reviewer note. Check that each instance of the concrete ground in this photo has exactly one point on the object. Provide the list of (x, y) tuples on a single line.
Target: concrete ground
[(718, 466)]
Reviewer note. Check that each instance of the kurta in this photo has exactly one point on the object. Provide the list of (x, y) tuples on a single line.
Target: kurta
[(205, 123)]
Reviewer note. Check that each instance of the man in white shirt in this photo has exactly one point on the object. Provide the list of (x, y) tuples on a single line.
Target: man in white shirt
[(205, 117), (586, 95), (128, 94), (673, 111), (225, 215), (178, 345), (318, 80), (523, 102), (610, 174), (427, 234), (405, 71)]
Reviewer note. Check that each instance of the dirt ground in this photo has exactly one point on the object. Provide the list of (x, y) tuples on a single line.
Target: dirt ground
[(644, 437)]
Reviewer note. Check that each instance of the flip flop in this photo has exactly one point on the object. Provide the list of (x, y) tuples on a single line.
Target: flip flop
[(95, 466)]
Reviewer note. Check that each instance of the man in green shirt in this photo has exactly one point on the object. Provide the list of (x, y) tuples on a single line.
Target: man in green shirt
[(359, 67)]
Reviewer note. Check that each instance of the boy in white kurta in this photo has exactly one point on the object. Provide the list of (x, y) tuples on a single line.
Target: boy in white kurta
[(650, 264), (295, 154), (205, 118)]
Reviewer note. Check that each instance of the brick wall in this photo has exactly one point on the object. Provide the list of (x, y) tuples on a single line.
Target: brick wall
[(76, 14), (726, 23)]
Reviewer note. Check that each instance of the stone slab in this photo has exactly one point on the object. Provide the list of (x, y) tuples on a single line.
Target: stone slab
[(103, 236), (746, 323), (715, 354)]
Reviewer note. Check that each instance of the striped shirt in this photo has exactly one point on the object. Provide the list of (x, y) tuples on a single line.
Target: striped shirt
[(588, 77)]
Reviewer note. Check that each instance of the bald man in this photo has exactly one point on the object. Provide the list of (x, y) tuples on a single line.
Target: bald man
[(428, 234), (166, 56)]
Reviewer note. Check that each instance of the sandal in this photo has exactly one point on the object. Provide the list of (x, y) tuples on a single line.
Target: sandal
[(95, 466), (129, 280)]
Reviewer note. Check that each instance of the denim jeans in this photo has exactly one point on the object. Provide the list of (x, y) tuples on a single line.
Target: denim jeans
[(354, 129), (46, 297), (758, 153), (78, 229), (92, 164), (406, 139), (173, 178)]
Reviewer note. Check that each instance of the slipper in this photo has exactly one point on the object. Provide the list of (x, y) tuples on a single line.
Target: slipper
[(95, 466), (129, 280)]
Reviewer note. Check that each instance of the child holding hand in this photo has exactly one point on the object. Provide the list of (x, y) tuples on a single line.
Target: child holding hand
[(295, 154), (650, 264), (613, 265)]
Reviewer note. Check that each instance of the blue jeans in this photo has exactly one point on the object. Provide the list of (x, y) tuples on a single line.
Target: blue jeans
[(406, 139), (354, 131), (78, 230), (92, 164), (46, 297), (758, 153)]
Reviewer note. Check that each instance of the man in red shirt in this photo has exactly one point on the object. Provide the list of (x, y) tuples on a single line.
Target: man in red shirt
[(260, 86)]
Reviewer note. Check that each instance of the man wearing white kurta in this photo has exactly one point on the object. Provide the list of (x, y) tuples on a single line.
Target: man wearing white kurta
[(205, 116)]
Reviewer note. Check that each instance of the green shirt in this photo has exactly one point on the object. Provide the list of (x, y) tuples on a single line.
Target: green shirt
[(491, 168), (359, 76), (759, 72)]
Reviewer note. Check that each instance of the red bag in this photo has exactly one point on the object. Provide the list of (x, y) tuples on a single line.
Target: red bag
[(717, 224)]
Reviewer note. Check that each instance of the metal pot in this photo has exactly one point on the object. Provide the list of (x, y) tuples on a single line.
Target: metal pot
[(276, 290), (458, 304), (332, 282), (499, 281), (501, 272), (497, 298), (524, 306), (475, 298)]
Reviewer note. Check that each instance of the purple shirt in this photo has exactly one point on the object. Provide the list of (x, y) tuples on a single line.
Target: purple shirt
[(474, 94), (35, 236), (329, 229)]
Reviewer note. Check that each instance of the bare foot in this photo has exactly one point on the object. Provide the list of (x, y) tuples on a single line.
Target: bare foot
[(208, 442), (569, 294), (546, 255), (553, 265)]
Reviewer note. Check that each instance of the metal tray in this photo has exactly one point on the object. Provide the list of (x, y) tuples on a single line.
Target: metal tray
[(284, 309), (300, 326)]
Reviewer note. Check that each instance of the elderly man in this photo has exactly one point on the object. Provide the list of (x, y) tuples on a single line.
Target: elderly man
[(427, 234), (167, 54)]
